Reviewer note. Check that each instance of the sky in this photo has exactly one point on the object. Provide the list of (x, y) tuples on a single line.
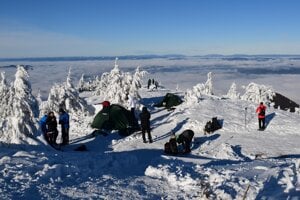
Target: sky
[(47, 28)]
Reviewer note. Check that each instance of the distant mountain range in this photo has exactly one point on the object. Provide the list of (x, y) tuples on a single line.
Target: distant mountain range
[(240, 57)]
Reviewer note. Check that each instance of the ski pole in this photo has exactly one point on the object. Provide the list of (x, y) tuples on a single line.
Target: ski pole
[(245, 117)]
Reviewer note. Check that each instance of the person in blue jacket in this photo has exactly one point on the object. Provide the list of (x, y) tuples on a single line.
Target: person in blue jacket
[(65, 125), (43, 124)]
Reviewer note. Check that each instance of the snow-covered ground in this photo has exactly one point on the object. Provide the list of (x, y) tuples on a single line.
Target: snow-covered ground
[(235, 162)]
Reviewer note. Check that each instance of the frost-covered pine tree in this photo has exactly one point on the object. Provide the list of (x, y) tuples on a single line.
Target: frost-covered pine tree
[(135, 82), (116, 85), (208, 84), (81, 84), (4, 96), (20, 125), (196, 93), (232, 92), (66, 96), (258, 93)]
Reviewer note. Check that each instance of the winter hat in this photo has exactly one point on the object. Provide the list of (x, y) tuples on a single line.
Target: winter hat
[(106, 103)]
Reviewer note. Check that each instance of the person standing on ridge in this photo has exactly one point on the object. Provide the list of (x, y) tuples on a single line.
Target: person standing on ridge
[(145, 124), (65, 125), (51, 125), (261, 111), (43, 124)]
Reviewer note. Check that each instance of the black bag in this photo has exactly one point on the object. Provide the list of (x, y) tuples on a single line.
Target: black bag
[(173, 146), (208, 126), (216, 124), (167, 148), (262, 112)]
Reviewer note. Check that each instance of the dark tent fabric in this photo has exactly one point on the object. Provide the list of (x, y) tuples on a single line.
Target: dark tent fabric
[(169, 101), (284, 103), (115, 117)]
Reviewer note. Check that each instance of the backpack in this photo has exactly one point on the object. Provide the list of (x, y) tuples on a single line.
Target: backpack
[(262, 112), (173, 146), (167, 148), (208, 126)]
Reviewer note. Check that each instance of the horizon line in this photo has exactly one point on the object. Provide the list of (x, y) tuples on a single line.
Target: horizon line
[(141, 56)]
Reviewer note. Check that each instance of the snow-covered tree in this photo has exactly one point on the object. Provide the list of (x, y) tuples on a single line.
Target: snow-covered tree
[(196, 93), (116, 85), (208, 86), (4, 96), (66, 96), (135, 82), (20, 125), (81, 84), (232, 92), (258, 93)]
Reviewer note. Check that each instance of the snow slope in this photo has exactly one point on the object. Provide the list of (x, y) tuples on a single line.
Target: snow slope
[(236, 160)]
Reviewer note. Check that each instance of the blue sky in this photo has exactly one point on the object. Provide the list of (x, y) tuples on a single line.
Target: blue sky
[(37, 28)]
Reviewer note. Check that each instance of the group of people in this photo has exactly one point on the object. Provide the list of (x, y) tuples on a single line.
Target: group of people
[(152, 82), (185, 138), (48, 124)]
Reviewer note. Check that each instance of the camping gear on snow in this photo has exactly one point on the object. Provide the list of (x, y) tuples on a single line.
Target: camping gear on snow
[(115, 117), (185, 138), (212, 126), (169, 101), (171, 146)]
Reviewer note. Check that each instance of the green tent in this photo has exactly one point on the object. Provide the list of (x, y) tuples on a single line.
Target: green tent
[(115, 117), (169, 101)]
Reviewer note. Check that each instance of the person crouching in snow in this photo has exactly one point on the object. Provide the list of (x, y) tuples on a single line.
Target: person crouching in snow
[(145, 124), (51, 125), (185, 138), (65, 125), (261, 111)]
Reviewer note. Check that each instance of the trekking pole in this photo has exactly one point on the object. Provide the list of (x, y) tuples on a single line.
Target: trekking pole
[(245, 117), (245, 194)]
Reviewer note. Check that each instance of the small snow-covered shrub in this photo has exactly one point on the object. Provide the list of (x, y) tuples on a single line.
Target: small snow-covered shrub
[(232, 92), (196, 93)]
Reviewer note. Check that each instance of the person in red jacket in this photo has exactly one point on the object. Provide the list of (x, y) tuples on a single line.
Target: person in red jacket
[(261, 111)]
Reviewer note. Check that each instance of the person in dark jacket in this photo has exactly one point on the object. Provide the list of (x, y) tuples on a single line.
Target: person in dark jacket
[(43, 124), (65, 125), (51, 125), (185, 138), (261, 111), (149, 83), (145, 124)]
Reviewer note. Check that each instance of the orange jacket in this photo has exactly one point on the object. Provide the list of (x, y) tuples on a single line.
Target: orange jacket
[(259, 109)]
